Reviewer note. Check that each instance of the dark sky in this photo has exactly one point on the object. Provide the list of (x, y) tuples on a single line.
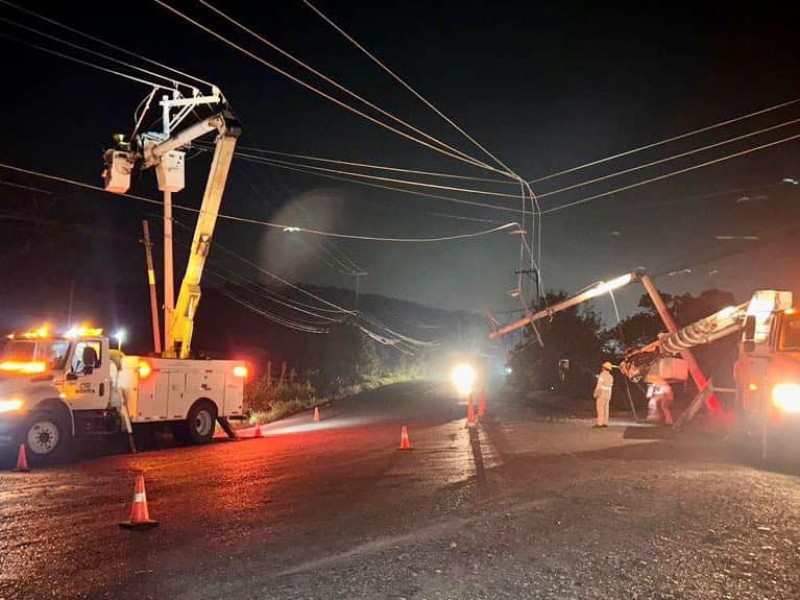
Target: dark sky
[(544, 86)]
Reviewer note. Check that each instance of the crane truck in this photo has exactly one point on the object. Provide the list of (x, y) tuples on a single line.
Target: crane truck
[(57, 387), (766, 372)]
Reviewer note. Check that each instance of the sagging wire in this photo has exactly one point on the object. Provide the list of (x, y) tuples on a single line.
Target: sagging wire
[(622, 337), (223, 248), (287, 228)]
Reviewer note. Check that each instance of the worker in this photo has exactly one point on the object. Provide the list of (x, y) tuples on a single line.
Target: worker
[(664, 397), (602, 394)]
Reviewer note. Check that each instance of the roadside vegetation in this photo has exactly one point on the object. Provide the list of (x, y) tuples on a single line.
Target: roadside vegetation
[(353, 363)]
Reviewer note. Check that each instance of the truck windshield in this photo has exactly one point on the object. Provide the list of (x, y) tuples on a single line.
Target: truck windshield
[(790, 333), (23, 355)]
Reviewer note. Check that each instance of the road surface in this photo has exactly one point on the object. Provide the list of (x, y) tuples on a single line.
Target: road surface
[(518, 507)]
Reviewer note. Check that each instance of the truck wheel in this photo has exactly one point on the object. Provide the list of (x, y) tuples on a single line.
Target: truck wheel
[(47, 438), (201, 422)]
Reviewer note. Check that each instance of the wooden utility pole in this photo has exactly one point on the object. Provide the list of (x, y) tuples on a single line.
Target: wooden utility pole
[(151, 280)]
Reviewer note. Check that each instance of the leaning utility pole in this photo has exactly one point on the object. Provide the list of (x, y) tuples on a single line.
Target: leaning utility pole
[(151, 281)]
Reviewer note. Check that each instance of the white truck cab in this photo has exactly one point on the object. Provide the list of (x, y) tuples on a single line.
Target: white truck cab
[(55, 388)]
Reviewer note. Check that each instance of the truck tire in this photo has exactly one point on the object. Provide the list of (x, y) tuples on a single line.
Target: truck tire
[(201, 422), (47, 438)]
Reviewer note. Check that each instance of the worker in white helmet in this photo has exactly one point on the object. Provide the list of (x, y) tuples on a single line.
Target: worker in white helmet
[(664, 397), (602, 394)]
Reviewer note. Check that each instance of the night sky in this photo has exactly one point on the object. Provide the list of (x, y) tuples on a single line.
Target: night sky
[(543, 86)]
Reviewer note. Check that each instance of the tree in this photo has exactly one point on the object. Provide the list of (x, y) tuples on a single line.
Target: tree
[(571, 335)]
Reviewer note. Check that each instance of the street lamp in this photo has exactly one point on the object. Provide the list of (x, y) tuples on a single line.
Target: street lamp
[(120, 336)]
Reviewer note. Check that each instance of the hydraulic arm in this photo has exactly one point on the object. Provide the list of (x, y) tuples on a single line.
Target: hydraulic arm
[(179, 331)]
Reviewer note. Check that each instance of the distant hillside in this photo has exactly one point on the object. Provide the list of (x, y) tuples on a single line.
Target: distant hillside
[(249, 320)]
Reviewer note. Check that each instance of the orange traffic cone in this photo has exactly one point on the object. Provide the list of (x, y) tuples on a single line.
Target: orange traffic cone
[(482, 404), (316, 413), (470, 412), (404, 443), (140, 516), (22, 460), (257, 432)]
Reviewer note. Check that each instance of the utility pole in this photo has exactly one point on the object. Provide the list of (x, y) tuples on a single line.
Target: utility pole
[(534, 275), (169, 277), (151, 281), (357, 275)]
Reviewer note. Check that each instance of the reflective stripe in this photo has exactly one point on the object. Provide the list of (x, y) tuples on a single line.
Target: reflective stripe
[(139, 497), (606, 387)]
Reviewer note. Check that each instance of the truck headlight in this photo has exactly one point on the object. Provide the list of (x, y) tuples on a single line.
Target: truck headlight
[(463, 378), (10, 405), (786, 397)]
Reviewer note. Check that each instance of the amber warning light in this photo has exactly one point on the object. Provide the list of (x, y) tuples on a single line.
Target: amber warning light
[(240, 371), (144, 369)]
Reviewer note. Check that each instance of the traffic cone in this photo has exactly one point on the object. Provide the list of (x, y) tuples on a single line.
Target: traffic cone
[(404, 443), (316, 413), (257, 432), (140, 516), (470, 413), (22, 460), (482, 404)]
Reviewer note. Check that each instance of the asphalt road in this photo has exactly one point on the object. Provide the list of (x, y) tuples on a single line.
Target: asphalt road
[(518, 507)]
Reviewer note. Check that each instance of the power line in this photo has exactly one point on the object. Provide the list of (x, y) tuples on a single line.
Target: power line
[(672, 174), (83, 62), (113, 46), (668, 140), (286, 228), (372, 177), (669, 158), (338, 86), (320, 92), (406, 86), (377, 167)]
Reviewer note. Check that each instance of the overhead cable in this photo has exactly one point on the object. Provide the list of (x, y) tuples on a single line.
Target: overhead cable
[(670, 158), (327, 79), (377, 167), (668, 140), (672, 174), (286, 228), (320, 92), (113, 46), (406, 86)]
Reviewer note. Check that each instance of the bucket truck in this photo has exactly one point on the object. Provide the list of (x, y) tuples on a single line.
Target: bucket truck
[(766, 371), (56, 387)]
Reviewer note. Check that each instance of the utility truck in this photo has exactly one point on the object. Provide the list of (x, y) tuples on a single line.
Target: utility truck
[(55, 388), (766, 372)]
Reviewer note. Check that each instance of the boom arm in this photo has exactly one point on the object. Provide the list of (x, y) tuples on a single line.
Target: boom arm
[(179, 331), (721, 324)]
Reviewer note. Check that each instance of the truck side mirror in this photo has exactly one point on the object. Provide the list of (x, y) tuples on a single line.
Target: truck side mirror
[(748, 341)]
